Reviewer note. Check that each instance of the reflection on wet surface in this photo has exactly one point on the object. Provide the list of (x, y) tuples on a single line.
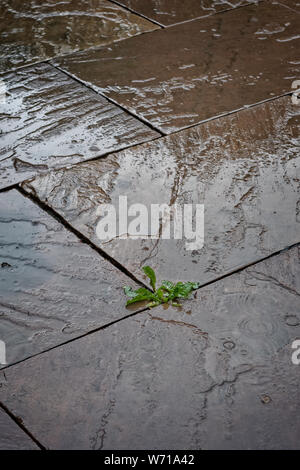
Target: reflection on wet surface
[(216, 372), (49, 120), (244, 168), (157, 381), (179, 76), (32, 30), (52, 286), (12, 437), (166, 12)]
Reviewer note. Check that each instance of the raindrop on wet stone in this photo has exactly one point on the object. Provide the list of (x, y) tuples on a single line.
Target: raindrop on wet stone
[(265, 399), (292, 320), (5, 265), (229, 345)]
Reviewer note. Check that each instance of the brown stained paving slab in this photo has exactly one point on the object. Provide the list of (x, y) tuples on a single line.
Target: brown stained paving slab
[(166, 12), (32, 31), (180, 76), (53, 287), (161, 381), (293, 4), (244, 168), (49, 120), (12, 437)]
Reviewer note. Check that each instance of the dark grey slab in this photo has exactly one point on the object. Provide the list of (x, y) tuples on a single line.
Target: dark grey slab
[(254, 312), (182, 75), (49, 120), (219, 377), (32, 31), (53, 287), (166, 12), (12, 437), (260, 409), (244, 168)]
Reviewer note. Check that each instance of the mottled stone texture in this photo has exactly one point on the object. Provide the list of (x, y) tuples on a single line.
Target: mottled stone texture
[(293, 4), (220, 377), (50, 120), (53, 287), (254, 312), (180, 76), (34, 30), (166, 12), (244, 168), (12, 437)]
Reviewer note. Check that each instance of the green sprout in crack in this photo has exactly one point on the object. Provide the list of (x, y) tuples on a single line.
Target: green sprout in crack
[(167, 292)]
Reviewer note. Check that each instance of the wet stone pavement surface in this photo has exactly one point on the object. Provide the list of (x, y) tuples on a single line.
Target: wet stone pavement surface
[(166, 12), (50, 120), (36, 30), (244, 168), (81, 370), (180, 76)]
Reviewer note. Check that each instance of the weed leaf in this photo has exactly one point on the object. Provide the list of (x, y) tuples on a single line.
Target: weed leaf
[(168, 291), (151, 274)]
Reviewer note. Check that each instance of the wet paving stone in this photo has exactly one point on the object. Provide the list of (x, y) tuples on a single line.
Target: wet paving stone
[(169, 13), (50, 120), (32, 31), (168, 380), (244, 168), (53, 287), (293, 4), (252, 313), (12, 437), (183, 75)]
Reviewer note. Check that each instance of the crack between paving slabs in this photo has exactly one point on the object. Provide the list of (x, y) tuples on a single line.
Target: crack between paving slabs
[(83, 335), (48, 59), (92, 159), (9, 188), (234, 111), (20, 424), (79, 235), (254, 2), (137, 14), (95, 90)]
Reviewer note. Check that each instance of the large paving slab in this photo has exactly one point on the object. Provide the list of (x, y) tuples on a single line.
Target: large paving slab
[(32, 31), (244, 168), (53, 287), (166, 12), (50, 120), (219, 377), (12, 437), (182, 75)]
